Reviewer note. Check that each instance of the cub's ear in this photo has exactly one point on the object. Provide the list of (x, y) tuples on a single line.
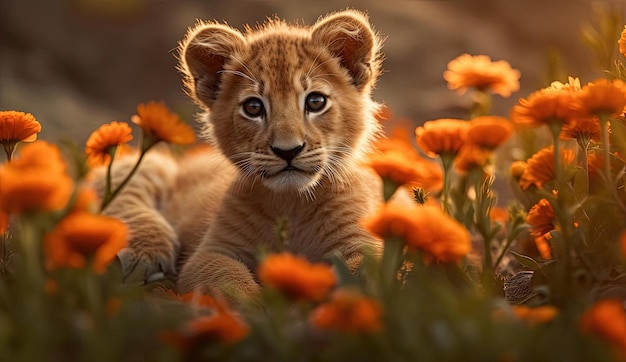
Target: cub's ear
[(349, 36), (203, 53)]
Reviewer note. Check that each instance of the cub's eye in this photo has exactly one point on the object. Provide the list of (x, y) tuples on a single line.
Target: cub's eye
[(315, 102), (253, 107)]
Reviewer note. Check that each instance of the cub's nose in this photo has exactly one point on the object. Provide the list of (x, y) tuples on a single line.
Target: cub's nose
[(287, 155)]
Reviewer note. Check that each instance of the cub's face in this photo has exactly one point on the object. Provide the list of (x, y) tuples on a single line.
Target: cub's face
[(288, 105)]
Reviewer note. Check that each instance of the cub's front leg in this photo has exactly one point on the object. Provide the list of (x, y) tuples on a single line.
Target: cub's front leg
[(221, 276), (153, 244)]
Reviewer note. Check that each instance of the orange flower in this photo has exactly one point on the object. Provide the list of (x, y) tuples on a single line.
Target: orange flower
[(602, 98), (296, 277), (499, 214), (540, 167), (544, 107), (222, 326), (481, 73), (472, 157), (517, 169), (4, 222), (535, 315), (405, 170), (442, 136), (17, 127), (607, 319), (622, 42), (103, 140), (541, 221), (82, 237), (36, 180), (348, 311), (582, 129), (162, 125), (399, 141), (489, 131), (422, 227), (86, 200), (198, 300)]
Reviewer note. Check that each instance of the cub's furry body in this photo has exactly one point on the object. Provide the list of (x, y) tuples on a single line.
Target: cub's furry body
[(290, 113)]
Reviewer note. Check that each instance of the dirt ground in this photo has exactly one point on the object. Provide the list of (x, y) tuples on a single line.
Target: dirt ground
[(76, 64)]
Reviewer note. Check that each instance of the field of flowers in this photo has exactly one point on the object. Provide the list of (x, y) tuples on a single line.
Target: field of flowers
[(461, 276)]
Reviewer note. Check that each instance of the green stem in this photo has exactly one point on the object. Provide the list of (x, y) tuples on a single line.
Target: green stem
[(446, 162), (606, 147), (583, 142), (9, 149), (107, 186), (507, 244), (30, 248), (32, 313), (482, 205), (391, 262), (389, 188), (482, 103), (108, 199), (562, 215)]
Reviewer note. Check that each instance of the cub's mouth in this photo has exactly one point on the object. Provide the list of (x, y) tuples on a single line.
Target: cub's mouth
[(290, 177), (286, 170), (290, 168)]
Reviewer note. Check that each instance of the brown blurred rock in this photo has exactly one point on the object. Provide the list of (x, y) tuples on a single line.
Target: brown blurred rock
[(80, 63)]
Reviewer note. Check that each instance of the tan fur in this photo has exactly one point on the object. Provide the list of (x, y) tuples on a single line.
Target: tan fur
[(231, 212)]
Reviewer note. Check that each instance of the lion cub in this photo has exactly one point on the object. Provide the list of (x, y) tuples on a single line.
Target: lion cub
[(290, 112)]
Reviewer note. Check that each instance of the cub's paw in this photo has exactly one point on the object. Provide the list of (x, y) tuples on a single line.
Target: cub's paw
[(147, 263)]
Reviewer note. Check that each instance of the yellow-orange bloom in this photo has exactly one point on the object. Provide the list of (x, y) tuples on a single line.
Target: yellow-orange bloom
[(86, 200), (535, 315), (472, 157), (82, 238), (607, 319), (540, 167), (348, 311), (442, 136), (100, 143), (517, 169), (296, 277), (489, 131), (18, 127), (156, 120), (582, 129), (602, 98), (422, 227), (36, 180), (221, 326), (399, 141), (544, 107), (199, 300), (499, 214), (397, 160), (480, 72), (404, 170), (622, 42), (4, 222), (541, 221)]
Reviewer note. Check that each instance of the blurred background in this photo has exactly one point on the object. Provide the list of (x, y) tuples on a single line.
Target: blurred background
[(76, 64)]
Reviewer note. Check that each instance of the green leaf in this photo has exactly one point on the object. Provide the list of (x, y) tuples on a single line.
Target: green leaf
[(527, 261)]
